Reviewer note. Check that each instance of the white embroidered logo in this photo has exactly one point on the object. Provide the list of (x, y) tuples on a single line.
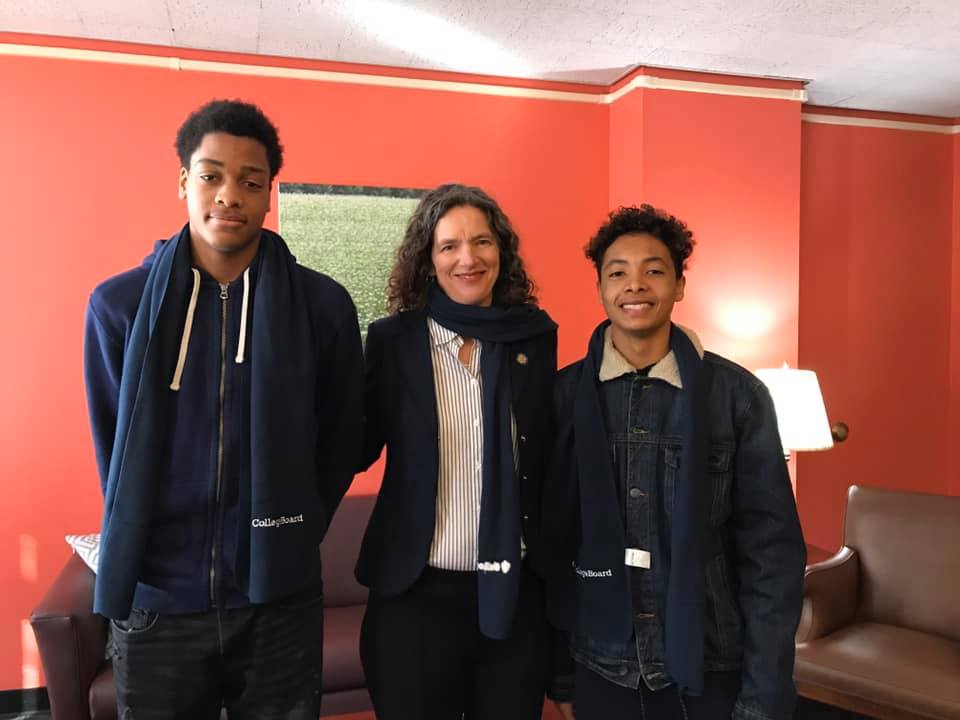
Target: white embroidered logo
[(584, 574), (503, 566), (277, 521)]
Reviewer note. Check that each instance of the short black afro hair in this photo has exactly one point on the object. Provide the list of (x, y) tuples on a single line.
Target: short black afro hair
[(633, 220), (233, 117)]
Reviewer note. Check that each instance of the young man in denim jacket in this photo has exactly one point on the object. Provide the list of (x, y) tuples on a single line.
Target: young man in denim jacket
[(679, 558)]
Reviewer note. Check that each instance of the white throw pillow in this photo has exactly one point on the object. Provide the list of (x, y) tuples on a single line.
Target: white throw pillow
[(87, 547)]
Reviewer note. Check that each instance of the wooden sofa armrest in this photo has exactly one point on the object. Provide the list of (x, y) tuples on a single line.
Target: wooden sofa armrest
[(71, 639), (830, 590)]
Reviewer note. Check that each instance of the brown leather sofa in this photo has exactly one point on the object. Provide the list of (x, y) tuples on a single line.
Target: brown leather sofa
[(880, 629), (72, 639)]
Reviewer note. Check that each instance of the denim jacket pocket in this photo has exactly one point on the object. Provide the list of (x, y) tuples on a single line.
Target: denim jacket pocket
[(671, 469), (724, 643), (720, 470)]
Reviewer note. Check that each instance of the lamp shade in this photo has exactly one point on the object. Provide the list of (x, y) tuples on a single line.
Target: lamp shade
[(801, 414)]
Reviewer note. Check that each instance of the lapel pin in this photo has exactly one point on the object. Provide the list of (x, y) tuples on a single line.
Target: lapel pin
[(522, 358)]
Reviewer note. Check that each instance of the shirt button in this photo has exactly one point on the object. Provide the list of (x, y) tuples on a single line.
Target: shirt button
[(476, 422), (637, 493)]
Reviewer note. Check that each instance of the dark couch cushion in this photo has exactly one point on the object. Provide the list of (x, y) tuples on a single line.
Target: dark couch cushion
[(103, 701), (341, 650), (339, 551), (348, 702)]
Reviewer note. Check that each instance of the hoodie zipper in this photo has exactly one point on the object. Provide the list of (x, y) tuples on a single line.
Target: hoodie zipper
[(216, 510)]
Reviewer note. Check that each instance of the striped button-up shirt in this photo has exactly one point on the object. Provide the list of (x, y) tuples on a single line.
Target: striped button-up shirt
[(460, 474)]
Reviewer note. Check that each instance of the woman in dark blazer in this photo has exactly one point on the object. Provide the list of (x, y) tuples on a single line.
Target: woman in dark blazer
[(459, 383)]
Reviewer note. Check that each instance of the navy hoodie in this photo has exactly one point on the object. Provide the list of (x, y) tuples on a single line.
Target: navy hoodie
[(190, 562)]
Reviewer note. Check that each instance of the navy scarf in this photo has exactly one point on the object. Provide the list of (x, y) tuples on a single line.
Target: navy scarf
[(605, 601), (498, 541), (283, 432)]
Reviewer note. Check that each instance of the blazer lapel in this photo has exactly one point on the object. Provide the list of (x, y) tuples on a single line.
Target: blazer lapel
[(416, 365), (519, 360)]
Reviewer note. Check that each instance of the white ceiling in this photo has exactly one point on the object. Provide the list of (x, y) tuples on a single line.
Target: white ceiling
[(893, 55)]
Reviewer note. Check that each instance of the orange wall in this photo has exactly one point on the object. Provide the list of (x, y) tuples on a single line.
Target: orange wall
[(875, 306), (730, 167), (626, 150), (955, 317), (91, 182)]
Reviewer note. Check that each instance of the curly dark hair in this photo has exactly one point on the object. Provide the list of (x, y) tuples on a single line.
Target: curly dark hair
[(410, 278), (633, 220), (236, 118)]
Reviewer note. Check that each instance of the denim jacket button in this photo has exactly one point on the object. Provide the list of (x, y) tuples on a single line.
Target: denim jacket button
[(637, 493)]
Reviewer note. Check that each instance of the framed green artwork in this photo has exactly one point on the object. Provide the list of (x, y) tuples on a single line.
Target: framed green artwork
[(350, 233)]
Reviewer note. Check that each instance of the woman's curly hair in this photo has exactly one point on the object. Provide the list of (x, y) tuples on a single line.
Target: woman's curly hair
[(646, 219), (412, 273)]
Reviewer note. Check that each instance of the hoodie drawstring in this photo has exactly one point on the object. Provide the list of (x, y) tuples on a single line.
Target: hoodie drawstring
[(187, 327), (242, 341)]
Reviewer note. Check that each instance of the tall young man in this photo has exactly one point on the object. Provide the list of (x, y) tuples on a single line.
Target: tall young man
[(224, 383), (680, 555)]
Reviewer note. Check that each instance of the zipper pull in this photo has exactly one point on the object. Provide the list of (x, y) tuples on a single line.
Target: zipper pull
[(223, 291)]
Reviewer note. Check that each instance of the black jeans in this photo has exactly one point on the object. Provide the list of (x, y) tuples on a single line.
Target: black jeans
[(599, 699), (260, 662), (425, 658)]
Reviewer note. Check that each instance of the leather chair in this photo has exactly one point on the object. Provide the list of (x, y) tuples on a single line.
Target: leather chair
[(880, 629), (72, 640)]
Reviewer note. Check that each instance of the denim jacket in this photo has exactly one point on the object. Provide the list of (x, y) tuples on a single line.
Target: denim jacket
[(755, 554)]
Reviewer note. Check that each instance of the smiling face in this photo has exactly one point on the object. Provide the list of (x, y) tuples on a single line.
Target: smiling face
[(227, 189), (466, 256), (638, 287)]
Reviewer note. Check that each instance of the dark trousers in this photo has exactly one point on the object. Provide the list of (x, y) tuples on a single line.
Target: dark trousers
[(261, 662), (599, 699), (425, 658)]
